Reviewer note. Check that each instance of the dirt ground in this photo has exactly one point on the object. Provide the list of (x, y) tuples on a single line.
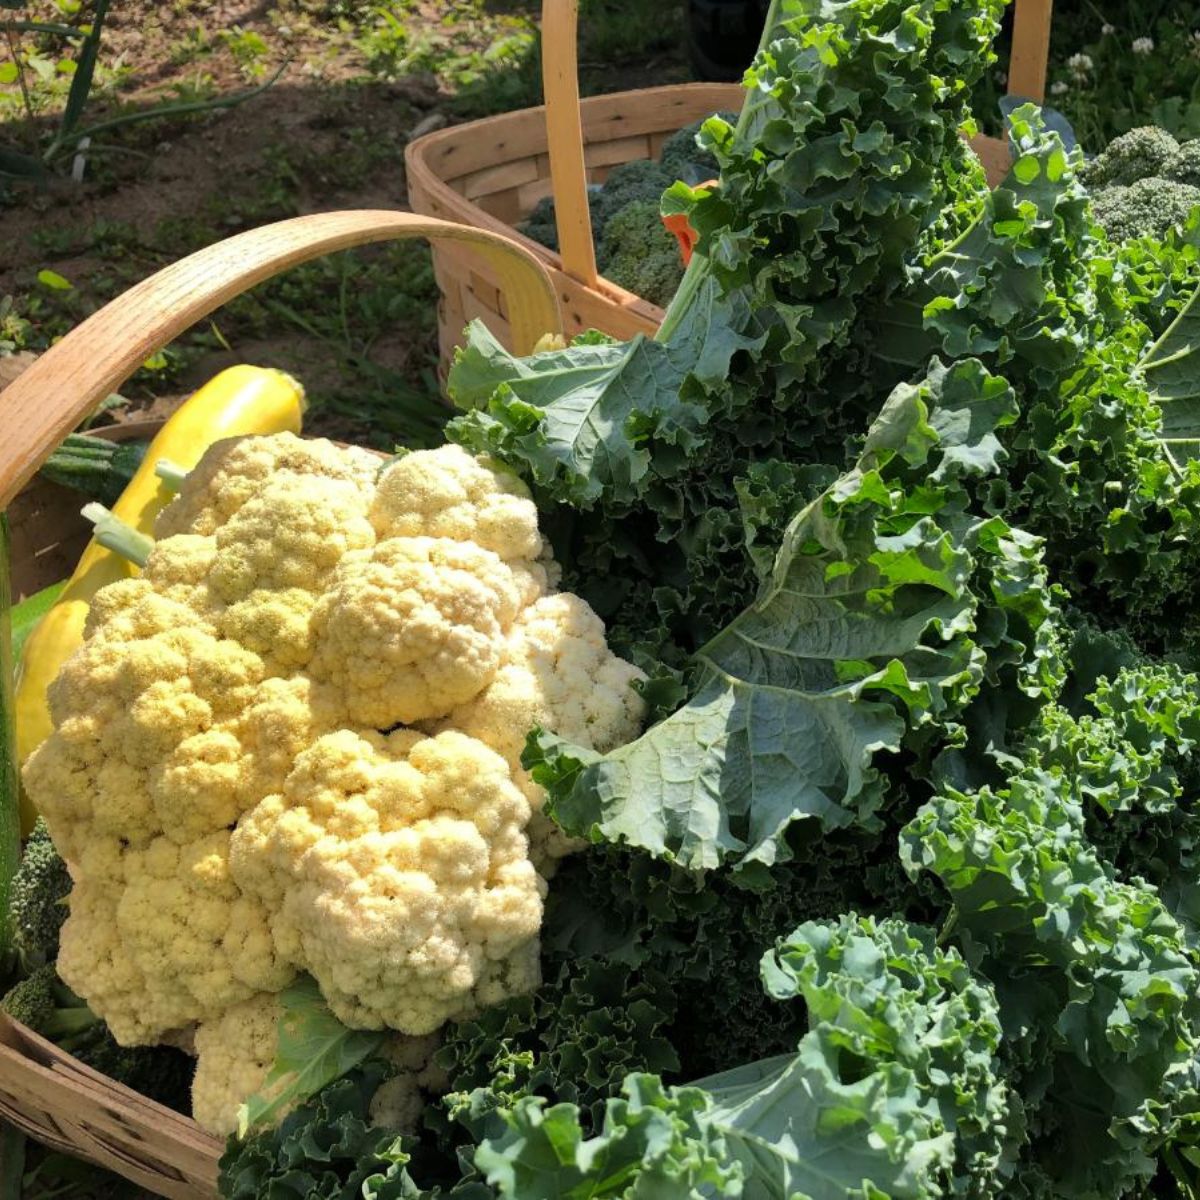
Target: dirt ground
[(329, 133)]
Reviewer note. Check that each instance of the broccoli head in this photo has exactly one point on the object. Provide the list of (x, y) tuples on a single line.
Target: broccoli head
[(1144, 185), (683, 159), (1139, 154), (638, 253), (540, 224), (629, 183), (1185, 166), (37, 904), (1147, 208), (45, 1004)]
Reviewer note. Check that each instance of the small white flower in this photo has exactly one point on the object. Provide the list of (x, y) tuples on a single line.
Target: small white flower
[(1107, 29), (1079, 64), (1002, 78), (1059, 87), (1143, 45)]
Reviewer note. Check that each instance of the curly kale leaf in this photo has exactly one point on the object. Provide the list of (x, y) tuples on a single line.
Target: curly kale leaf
[(892, 1092), (831, 177), (1034, 290), (1096, 980), (870, 629)]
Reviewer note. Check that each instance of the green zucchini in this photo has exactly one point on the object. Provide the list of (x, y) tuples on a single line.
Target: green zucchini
[(95, 466)]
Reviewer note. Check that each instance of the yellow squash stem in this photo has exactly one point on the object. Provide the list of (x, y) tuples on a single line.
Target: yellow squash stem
[(239, 401)]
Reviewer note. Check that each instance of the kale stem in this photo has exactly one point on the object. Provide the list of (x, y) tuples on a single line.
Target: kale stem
[(113, 534), (697, 268)]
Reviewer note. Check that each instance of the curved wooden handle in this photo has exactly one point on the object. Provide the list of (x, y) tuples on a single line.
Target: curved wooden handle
[(66, 383), (1030, 49), (564, 136)]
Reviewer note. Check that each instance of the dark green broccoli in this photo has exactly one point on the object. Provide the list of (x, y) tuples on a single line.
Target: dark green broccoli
[(639, 254), (1144, 185), (47, 1006), (683, 159), (37, 902), (632, 247), (1185, 166), (540, 226), (629, 183), (1148, 208), (1139, 154)]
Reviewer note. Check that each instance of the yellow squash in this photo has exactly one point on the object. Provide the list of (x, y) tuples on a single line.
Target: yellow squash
[(241, 400)]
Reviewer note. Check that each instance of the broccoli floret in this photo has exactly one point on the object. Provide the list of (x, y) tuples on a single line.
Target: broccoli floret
[(1139, 154), (1148, 208), (162, 1073), (640, 255), (1185, 166), (540, 226), (37, 905), (630, 183), (683, 159), (47, 1006)]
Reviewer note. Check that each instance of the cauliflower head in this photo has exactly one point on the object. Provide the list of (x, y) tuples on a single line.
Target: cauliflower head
[(292, 744)]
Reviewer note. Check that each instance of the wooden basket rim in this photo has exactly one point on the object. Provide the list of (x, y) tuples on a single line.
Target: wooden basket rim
[(418, 153)]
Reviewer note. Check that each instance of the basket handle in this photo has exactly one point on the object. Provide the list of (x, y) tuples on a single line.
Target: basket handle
[(43, 404), (564, 126), (1030, 49), (564, 138)]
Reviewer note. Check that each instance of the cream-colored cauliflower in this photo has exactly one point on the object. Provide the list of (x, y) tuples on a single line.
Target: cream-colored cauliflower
[(399, 1101), (413, 628), (291, 534), (448, 493), (234, 1054), (380, 855), (234, 470), (558, 673), (292, 744)]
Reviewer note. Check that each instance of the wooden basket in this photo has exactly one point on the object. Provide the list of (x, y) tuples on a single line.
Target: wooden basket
[(490, 174), (43, 1090)]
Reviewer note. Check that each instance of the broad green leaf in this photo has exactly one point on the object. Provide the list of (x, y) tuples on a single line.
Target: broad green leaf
[(1171, 368), (314, 1049), (894, 1092), (585, 420), (863, 633)]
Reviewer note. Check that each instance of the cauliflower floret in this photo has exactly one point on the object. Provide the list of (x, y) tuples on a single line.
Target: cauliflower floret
[(448, 493), (178, 568), (398, 1104), (413, 628), (274, 623), (122, 711), (404, 876), (559, 673), (399, 1101), (291, 534), (94, 962), (234, 470), (200, 944), (234, 1054)]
